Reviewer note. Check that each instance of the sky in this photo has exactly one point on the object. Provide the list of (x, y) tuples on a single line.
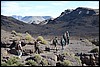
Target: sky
[(43, 8)]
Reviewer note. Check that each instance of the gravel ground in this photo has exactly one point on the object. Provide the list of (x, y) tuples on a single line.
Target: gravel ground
[(75, 46)]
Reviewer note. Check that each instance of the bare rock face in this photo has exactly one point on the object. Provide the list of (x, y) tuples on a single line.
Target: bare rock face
[(13, 51), (49, 56), (90, 59), (78, 12)]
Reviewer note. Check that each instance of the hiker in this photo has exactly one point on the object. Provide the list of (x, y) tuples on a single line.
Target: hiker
[(66, 37), (63, 43), (19, 49), (55, 42), (36, 46), (67, 33)]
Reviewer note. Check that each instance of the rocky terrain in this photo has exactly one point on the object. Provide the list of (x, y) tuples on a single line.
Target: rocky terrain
[(67, 57), (82, 24)]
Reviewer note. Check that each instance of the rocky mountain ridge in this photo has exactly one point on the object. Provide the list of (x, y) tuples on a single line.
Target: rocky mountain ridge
[(77, 13), (78, 24)]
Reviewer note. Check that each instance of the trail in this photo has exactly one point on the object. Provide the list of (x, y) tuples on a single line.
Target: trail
[(78, 46)]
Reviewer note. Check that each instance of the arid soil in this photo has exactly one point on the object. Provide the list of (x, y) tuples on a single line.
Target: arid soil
[(75, 46)]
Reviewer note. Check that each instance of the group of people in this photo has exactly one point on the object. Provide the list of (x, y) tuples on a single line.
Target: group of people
[(64, 41)]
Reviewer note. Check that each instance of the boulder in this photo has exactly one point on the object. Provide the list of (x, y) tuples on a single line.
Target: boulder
[(51, 62), (28, 49)]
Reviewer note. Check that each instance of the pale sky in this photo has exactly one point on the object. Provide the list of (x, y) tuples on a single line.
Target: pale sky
[(43, 8)]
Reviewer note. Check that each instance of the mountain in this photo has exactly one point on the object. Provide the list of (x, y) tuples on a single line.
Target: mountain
[(9, 23), (78, 13), (17, 17), (78, 24), (32, 19), (81, 21), (47, 17)]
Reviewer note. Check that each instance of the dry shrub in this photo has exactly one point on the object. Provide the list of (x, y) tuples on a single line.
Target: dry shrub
[(44, 62), (13, 61), (40, 38), (43, 41), (19, 34), (95, 50), (28, 37), (37, 58), (67, 63), (66, 53), (31, 63), (14, 32), (78, 60)]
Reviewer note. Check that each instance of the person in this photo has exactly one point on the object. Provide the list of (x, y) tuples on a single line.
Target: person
[(63, 43), (55, 42), (67, 34), (66, 37), (19, 49), (36, 45)]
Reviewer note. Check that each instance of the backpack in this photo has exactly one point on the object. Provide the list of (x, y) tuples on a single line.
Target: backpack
[(63, 42), (54, 41)]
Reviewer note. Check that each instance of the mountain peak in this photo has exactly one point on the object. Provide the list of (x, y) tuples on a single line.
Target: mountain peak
[(32, 19), (84, 8), (69, 14)]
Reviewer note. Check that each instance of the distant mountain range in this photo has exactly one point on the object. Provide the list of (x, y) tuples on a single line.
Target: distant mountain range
[(17, 17), (32, 19), (79, 22)]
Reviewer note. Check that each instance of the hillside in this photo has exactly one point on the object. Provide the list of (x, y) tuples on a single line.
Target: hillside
[(81, 25), (80, 21)]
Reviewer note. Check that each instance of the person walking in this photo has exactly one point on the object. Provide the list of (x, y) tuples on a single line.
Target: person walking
[(67, 35), (63, 43), (36, 45), (55, 42), (19, 49)]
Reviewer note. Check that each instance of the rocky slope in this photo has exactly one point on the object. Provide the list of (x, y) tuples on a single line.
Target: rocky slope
[(79, 22), (77, 13), (66, 57)]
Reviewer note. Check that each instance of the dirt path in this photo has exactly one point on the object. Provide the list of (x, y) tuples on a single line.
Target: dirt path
[(75, 46), (78, 46)]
